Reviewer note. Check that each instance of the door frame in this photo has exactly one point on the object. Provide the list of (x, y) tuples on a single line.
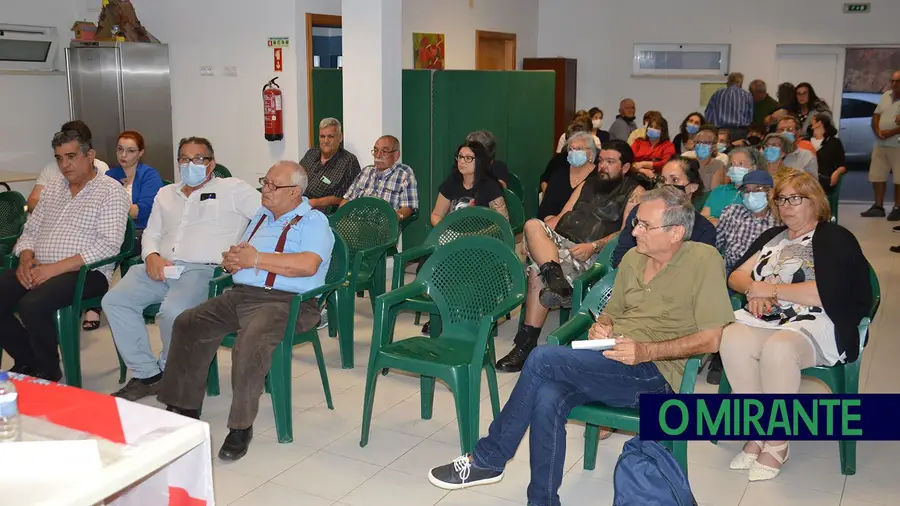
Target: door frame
[(330, 21), (510, 45)]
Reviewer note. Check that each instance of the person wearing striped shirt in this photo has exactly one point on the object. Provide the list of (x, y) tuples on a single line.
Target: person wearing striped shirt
[(387, 179), (732, 107)]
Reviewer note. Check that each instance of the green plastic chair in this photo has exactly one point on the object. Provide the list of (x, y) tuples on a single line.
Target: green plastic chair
[(516, 211), (474, 282), (12, 220), (840, 378), (596, 415), (701, 201), (468, 221), (278, 380), (834, 200), (514, 184), (369, 228), (221, 171)]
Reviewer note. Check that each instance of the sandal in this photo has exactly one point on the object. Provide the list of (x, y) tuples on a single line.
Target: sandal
[(88, 325), (743, 460), (762, 472)]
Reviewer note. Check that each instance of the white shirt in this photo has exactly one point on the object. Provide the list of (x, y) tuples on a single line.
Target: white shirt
[(888, 108), (197, 229), (802, 159), (51, 170)]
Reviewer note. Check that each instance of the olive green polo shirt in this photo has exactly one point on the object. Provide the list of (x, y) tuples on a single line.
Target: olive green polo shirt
[(688, 295)]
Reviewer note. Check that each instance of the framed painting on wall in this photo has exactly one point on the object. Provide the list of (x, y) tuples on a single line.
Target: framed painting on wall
[(428, 51)]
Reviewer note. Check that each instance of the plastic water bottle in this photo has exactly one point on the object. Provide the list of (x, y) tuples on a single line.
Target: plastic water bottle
[(9, 410)]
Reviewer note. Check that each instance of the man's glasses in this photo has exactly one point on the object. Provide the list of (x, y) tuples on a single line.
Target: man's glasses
[(465, 158), (793, 200), (383, 152), (636, 224), (199, 160), (269, 185)]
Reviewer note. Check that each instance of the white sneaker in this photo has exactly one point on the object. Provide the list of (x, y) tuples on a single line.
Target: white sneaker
[(323, 319)]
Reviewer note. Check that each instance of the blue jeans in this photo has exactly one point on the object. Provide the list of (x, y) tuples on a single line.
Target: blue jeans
[(124, 307), (554, 380)]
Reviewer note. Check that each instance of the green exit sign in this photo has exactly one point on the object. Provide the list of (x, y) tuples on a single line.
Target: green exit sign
[(856, 8)]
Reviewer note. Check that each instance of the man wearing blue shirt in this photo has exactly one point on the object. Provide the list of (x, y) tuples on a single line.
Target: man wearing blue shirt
[(286, 250), (732, 107)]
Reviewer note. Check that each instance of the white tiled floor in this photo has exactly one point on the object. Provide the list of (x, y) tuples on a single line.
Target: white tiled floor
[(325, 465)]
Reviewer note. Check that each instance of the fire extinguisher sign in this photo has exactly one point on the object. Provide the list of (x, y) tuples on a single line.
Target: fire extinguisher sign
[(278, 61)]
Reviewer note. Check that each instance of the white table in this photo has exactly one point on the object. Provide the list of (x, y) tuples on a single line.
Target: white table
[(157, 450)]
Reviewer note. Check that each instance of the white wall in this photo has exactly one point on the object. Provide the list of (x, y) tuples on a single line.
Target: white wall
[(600, 34), (458, 22), (32, 107)]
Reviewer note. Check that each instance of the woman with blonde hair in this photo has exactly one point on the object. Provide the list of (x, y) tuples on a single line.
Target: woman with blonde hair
[(807, 287)]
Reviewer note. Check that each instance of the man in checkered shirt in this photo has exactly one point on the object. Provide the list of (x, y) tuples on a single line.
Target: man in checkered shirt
[(387, 179), (80, 219), (330, 167)]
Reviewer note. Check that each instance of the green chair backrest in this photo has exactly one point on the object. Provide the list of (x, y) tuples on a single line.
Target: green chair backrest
[(470, 221), (876, 302), (128, 242), (468, 278), (516, 210), (12, 214), (166, 182), (365, 223), (221, 171), (599, 295), (340, 261), (515, 184), (605, 256)]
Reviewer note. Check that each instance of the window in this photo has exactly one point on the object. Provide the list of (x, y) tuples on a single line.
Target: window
[(854, 108), (691, 60)]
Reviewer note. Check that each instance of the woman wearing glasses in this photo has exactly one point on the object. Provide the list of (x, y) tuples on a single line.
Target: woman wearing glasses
[(141, 182), (807, 287), (471, 183)]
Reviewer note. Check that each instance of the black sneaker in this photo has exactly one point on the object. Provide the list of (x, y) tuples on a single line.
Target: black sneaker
[(894, 215), (714, 374), (462, 473), (136, 389), (895, 249), (873, 212)]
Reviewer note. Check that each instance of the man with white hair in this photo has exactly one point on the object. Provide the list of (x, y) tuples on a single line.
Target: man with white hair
[(387, 179), (331, 169), (190, 225), (286, 250)]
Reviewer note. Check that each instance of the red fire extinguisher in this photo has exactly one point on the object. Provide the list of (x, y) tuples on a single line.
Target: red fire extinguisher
[(272, 111)]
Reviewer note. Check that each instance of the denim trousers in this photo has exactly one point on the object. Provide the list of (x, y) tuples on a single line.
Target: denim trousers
[(554, 380), (124, 307)]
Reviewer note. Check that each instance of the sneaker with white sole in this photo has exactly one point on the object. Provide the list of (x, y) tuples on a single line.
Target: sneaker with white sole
[(323, 319), (462, 473)]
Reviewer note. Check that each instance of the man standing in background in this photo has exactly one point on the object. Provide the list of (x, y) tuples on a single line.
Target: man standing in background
[(886, 155), (763, 103), (732, 107)]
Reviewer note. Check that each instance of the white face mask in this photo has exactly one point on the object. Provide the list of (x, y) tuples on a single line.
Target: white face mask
[(597, 123), (817, 143)]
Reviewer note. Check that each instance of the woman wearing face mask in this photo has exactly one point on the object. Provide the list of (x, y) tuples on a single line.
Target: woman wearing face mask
[(565, 172), (775, 147), (829, 150), (684, 141), (596, 115), (582, 117), (652, 153), (723, 141), (741, 161), (469, 184)]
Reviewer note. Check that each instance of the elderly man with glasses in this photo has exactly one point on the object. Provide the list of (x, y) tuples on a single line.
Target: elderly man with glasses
[(387, 179), (331, 169), (190, 224), (286, 250)]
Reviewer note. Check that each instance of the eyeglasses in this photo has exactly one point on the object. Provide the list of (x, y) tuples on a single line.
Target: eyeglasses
[(465, 158), (636, 224), (199, 160), (793, 200), (376, 151), (269, 185), (127, 151)]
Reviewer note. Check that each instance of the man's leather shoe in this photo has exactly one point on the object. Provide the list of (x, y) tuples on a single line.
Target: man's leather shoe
[(236, 444), (514, 360), (190, 413)]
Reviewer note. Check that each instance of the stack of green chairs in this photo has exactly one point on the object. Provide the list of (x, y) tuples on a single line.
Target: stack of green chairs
[(596, 415), (840, 378), (278, 381), (474, 282), (369, 227)]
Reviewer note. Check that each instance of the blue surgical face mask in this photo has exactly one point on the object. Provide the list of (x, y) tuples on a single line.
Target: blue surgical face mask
[(736, 174), (772, 153), (755, 201), (790, 136), (703, 151), (577, 158), (721, 147), (192, 174), (692, 128), (653, 133)]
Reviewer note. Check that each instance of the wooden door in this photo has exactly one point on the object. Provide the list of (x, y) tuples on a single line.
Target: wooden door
[(495, 50)]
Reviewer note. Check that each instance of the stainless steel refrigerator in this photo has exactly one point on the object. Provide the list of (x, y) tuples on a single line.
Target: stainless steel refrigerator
[(118, 86)]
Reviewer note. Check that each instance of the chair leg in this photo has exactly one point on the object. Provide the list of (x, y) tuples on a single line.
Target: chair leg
[(436, 326), (123, 370), (464, 415), (418, 317), (347, 306), (280, 380), (850, 380), (368, 403), (724, 389), (320, 360), (679, 451), (591, 442), (212, 378), (563, 315), (333, 311), (427, 387), (493, 390), (68, 333)]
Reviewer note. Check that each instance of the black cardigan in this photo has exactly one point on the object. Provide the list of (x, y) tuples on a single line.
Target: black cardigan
[(842, 278)]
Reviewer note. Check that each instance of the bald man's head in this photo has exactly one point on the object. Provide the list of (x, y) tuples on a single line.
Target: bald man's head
[(283, 187), (627, 108)]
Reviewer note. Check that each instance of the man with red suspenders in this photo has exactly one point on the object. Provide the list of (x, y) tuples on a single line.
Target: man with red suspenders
[(286, 250)]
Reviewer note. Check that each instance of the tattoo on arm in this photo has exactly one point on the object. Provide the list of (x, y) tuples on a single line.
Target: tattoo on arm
[(499, 205)]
